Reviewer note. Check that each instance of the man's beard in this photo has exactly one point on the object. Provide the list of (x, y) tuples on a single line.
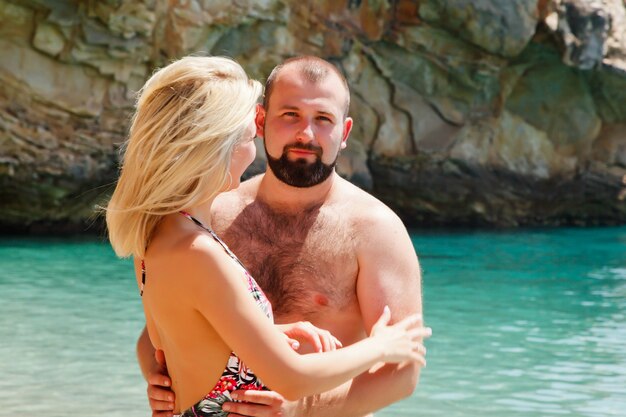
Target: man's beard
[(300, 173)]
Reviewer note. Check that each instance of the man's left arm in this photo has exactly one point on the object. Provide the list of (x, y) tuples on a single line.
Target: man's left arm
[(389, 274)]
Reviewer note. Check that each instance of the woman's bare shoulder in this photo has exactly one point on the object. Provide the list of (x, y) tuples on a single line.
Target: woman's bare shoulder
[(184, 262)]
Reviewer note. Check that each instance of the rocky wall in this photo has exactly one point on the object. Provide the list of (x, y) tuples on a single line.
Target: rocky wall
[(467, 112)]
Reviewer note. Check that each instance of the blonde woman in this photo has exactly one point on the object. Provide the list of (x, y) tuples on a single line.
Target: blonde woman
[(192, 138)]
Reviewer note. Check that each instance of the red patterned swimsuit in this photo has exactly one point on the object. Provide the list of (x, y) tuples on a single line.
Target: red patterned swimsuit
[(236, 375)]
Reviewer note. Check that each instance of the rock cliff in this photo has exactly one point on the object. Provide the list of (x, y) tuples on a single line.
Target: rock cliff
[(467, 112)]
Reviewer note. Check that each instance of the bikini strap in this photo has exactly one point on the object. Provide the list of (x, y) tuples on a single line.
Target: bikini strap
[(143, 277), (215, 236)]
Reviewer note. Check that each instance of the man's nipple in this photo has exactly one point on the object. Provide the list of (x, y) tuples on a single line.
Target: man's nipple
[(320, 300)]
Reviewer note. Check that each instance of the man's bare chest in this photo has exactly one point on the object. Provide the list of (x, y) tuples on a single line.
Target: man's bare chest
[(305, 264)]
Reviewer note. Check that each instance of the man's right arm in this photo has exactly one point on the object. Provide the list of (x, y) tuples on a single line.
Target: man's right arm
[(154, 370), (145, 354)]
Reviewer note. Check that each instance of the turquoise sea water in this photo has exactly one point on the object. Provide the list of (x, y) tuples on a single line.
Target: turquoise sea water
[(526, 323)]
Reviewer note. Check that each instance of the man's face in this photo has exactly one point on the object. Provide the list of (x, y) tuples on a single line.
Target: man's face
[(304, 128)]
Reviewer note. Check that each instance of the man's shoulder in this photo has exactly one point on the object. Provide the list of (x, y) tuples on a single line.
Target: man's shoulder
[(361, 207)]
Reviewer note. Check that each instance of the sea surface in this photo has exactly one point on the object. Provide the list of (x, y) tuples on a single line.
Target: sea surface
[(526, 323)]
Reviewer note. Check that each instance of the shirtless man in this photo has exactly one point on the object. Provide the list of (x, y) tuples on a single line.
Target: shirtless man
[(323, 250)]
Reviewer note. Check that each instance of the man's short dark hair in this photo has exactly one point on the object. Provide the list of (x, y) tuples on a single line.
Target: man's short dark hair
[(313, 69)]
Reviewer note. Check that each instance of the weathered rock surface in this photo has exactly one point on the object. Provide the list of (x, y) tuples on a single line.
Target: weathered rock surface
[(476, 112)]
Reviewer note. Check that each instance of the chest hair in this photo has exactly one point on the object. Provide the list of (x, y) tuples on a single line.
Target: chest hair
[(302, 261)]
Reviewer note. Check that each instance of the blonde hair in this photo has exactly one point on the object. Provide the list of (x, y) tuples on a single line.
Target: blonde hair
[(189, 117)]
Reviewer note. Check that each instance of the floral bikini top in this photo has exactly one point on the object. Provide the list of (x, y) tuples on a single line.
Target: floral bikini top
[(236, 375)]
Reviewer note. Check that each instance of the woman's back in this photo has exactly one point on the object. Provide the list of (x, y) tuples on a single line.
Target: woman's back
[(196, 355)]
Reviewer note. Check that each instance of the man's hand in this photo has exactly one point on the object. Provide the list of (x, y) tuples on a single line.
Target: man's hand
[(160, 395), (259, 404)]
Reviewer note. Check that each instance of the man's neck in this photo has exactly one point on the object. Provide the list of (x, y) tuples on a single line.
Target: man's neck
[(277, 194)]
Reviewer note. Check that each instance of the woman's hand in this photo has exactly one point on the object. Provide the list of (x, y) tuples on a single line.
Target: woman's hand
[(401, 341), (303, 331)]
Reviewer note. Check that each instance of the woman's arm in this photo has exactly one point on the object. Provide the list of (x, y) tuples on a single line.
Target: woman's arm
[(223, 292), (321, 340)]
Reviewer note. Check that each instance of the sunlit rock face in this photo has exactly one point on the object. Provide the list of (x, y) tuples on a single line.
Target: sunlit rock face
[(467, 112)]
